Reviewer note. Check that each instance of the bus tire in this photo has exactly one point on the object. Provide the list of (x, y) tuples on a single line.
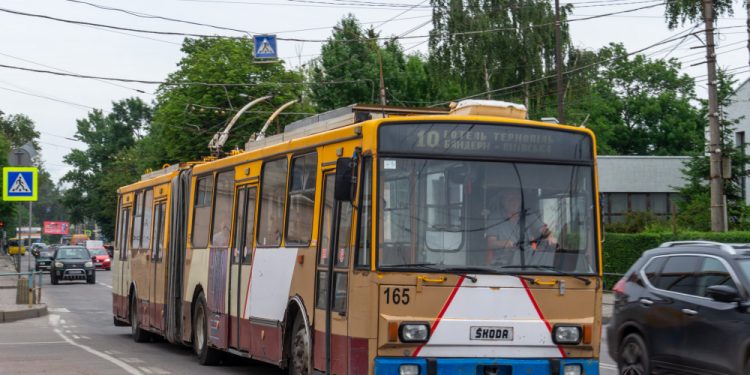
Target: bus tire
[(207, 356), (299, 349), (139, 335)]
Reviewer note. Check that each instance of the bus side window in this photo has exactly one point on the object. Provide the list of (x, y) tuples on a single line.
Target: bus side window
[(125, 219), (222, 209), (301, 200), (147, 211), (135, 237), (364, 232), (271, 211), (202, 211)]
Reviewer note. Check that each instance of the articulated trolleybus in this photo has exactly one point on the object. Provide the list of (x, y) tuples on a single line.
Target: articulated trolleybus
[(375, 240)]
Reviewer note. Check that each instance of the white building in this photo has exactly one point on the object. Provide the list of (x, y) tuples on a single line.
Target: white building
[(740, 109)]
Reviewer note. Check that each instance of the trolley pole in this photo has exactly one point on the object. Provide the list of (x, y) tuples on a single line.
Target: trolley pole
[(718, 216), (558, 65)]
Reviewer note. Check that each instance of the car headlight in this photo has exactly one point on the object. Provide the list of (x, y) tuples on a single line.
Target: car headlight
[(59, 265), (88, 264), (414, 332), (566, 335)]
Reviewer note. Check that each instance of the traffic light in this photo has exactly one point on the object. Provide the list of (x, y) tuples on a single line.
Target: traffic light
[(2, 224)]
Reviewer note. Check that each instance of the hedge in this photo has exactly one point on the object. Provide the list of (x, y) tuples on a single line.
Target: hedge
[(621, 250)]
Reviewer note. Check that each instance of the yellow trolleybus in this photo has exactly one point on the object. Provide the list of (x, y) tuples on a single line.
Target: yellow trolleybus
[(375, 240)]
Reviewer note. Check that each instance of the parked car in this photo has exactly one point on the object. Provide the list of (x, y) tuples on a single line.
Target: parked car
[(43, 258), (683, 308), (72, 263), (101, 258)]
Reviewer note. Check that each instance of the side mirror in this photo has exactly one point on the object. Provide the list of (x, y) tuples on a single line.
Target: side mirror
[(723, 293), (344, 189)]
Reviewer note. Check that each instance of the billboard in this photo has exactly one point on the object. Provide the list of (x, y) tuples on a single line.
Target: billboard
[(56, 227)]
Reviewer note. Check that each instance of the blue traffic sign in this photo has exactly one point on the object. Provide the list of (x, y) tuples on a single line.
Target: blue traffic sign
[(265, 46), (20, 184)]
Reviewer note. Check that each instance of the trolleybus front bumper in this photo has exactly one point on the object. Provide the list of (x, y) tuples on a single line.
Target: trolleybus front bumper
[(484, 366)]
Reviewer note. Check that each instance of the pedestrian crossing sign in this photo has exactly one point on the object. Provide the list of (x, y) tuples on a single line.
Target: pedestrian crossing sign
[(20, 183), (265, 46)]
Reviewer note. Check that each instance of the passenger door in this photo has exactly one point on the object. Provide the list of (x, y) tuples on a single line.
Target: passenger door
[(157, 295), (122, 265), (335, 233), (241, 266), (669, 308), (719, 328)]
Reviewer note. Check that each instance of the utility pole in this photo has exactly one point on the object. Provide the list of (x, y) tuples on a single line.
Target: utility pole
[(558, 65), (382, 81), (718, 218)]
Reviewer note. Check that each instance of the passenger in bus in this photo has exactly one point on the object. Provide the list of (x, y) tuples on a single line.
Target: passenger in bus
[(221, 234), (503, 229)]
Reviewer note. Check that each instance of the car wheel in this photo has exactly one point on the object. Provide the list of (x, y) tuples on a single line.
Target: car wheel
[(139, 335), (299, 351), (633, 356), (206, 356), (91, 279), (52, 278)]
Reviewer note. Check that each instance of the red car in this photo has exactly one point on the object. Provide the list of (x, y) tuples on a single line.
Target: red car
[(101, 258)]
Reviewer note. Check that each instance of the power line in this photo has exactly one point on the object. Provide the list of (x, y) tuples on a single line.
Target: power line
[(308, 3), (45, 97), (151, 16)]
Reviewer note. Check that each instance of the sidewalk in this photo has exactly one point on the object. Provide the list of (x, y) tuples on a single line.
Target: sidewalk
[(9, 310)]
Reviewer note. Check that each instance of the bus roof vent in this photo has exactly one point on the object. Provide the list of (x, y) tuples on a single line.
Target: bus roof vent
[(338, 118), (488, 108), (161, 172)]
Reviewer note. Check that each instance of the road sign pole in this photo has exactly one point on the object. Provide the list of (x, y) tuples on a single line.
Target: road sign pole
[(28, 257)]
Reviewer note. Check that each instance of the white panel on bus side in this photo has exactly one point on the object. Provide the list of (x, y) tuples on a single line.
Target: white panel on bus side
[(270, 282)]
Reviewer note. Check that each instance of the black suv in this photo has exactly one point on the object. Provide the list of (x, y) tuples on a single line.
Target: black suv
[(43, 258), (683, 308), (72, 263)]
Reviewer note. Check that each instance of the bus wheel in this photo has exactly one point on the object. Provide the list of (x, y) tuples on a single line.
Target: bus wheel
[(206, 356), (139, 335), (299, 354)]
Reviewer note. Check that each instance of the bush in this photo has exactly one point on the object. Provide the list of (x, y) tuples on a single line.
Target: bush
[(621, 250), (635, 222)]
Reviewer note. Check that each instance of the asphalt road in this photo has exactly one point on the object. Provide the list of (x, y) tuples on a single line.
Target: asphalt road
[(78, 337)]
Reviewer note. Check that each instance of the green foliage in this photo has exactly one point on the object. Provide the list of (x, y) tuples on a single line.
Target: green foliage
[(188, 115), (6, 208), (680, 12), (99, 170), (521, 50), (348, 71), (694, 208), (635, 222), (639, 106), (18, 130), (621, 250)]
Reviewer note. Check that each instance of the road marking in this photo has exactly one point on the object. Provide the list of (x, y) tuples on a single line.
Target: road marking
[(76, 336), (105, 285), (129, 369), (146, 370), (133, 360), (32, 343), (608, 366), (54, 320), (57, 310), (159, 371), (86, 337)]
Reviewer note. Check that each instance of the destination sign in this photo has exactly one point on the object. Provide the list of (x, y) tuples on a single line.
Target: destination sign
[(485, 140)]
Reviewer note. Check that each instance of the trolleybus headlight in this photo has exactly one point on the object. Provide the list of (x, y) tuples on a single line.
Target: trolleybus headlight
[(408, 370), (414, 332), (572, 370), (566, 334)]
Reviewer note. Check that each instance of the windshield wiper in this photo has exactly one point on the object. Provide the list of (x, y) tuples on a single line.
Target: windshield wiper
[(434, 267), (551, 268)]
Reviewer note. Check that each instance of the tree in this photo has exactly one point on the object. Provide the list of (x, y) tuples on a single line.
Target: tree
[(639, 106), (348, 71), (518, 46), (215, 78), (97, 171), (694, 207)]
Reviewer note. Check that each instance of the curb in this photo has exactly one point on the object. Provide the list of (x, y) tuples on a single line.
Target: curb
[(34, 312)]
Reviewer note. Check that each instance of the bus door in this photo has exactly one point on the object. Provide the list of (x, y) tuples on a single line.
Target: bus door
[(121, 267), (331, 342), (240, 267), (157, 292)]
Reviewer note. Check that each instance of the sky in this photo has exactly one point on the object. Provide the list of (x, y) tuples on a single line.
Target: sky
[(54, 103)]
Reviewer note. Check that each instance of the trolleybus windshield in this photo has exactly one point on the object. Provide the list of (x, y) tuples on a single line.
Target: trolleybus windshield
[(499, 216)]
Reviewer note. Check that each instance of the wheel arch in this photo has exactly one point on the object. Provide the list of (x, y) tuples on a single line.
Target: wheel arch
[(295, 307), (628, 328)]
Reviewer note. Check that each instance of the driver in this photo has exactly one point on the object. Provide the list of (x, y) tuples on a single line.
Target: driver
[(504, 229)]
